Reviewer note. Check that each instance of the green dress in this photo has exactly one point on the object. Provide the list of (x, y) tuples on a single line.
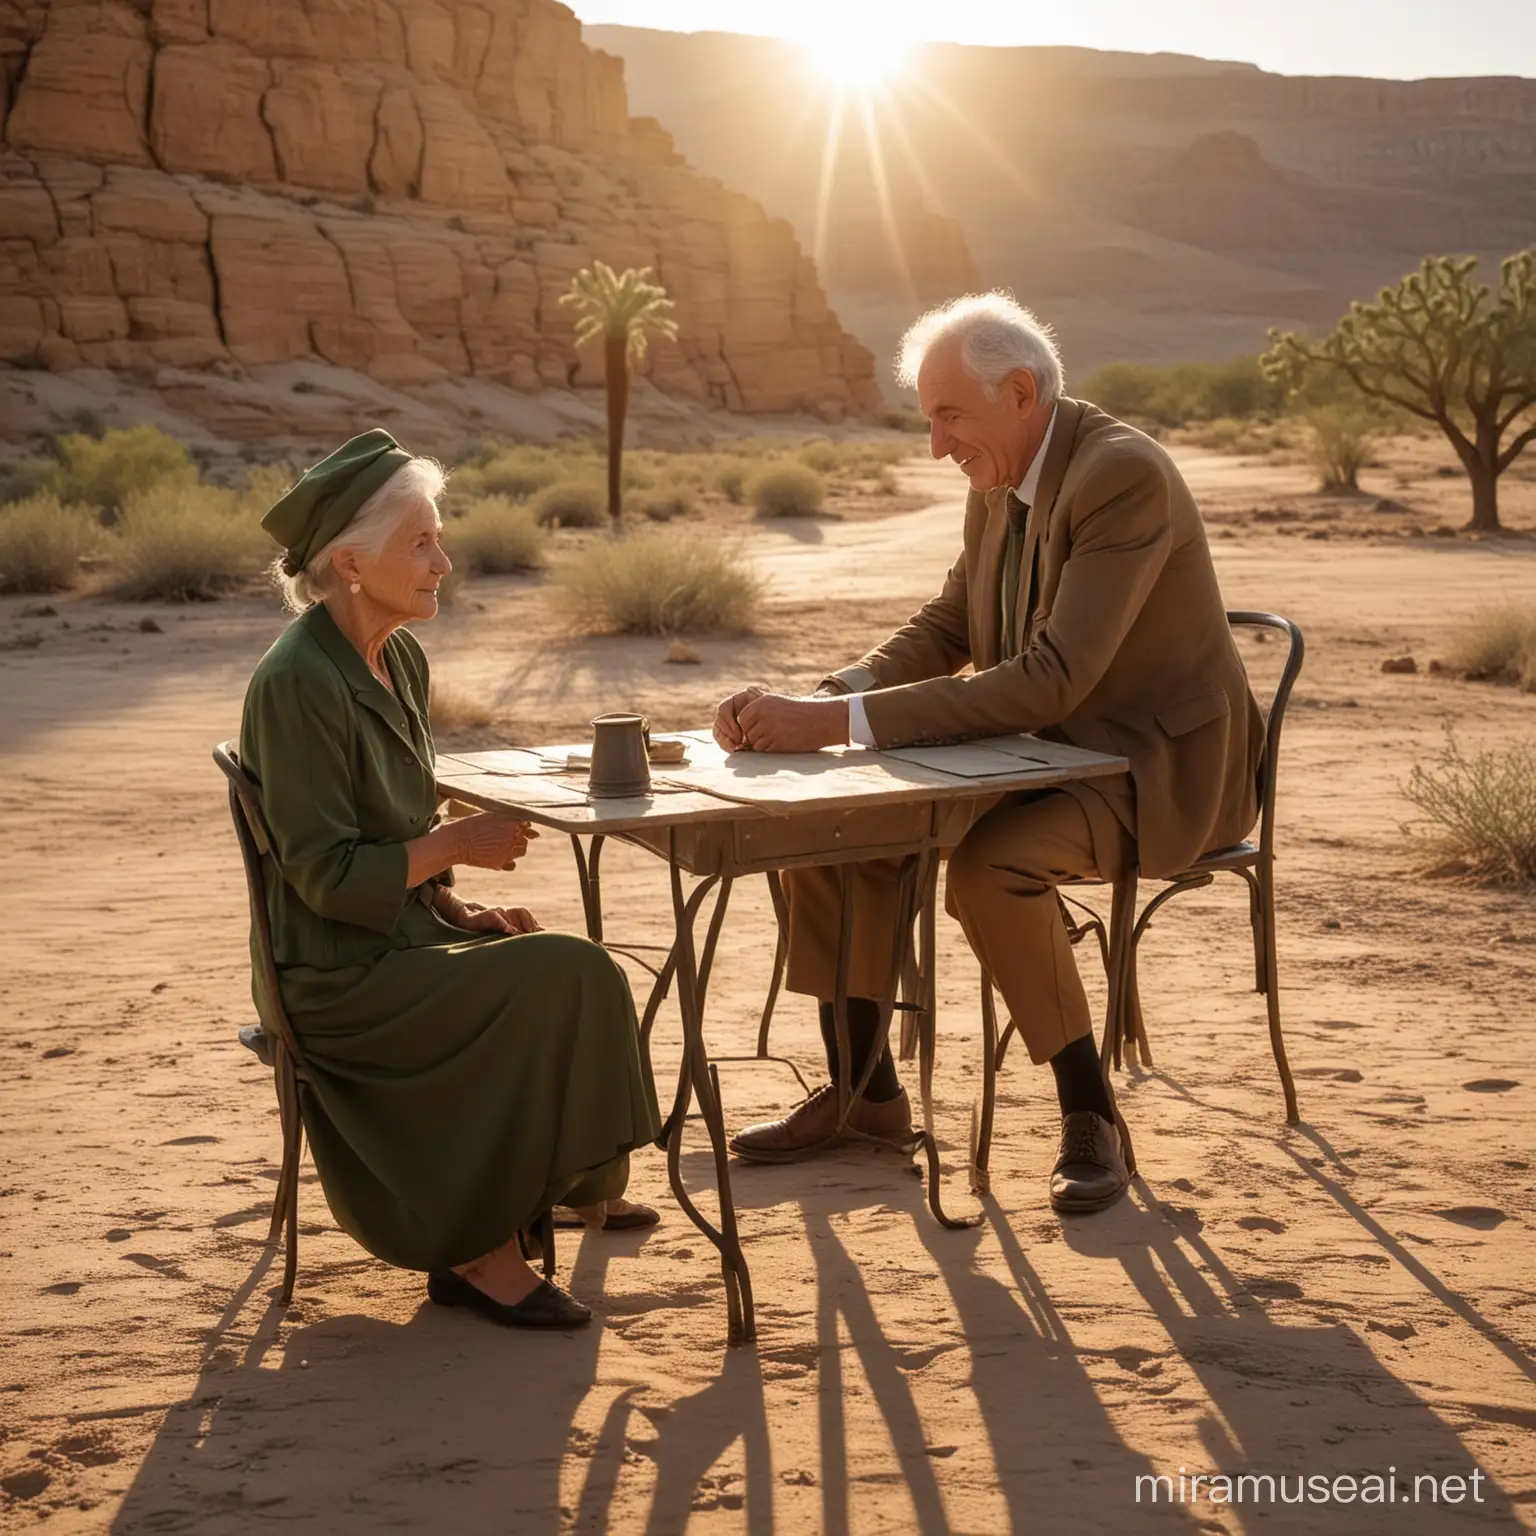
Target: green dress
[(459, 1084)]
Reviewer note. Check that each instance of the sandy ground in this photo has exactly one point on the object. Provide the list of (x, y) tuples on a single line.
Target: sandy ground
[(1344, 1297)]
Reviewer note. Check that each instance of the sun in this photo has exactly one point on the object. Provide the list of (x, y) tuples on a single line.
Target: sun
[(856, 58)]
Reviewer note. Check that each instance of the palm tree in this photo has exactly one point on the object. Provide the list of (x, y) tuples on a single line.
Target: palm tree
[(624, 309)]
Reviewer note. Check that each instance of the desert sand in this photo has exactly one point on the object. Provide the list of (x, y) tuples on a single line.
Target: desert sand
[(1346, 1296)]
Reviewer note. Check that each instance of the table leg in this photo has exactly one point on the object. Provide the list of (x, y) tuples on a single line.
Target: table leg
[(780, 957), (697, 1075), (981, 1119), (591, 885)]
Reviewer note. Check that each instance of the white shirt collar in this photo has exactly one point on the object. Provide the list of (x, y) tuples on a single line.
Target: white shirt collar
[(1026, 488)]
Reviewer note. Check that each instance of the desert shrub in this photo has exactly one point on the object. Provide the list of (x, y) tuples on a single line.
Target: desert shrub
[(455, 707), (1182, 393), (517, 471), (571, 504), (885, 481), (105, 472), (731, 480), (41, 542), (904, 420), (1340, 446), (261, 486), (659, 584), (820, 454), (21, 478), (1498, 646), (1480, 810), (662, 503), (495, 536), (788, 490), (185, 543)]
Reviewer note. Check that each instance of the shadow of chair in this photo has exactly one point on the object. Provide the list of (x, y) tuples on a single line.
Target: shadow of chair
[(1125, 1028)]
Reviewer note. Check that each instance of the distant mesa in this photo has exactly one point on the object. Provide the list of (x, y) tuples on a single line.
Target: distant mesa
[(1151, 206)]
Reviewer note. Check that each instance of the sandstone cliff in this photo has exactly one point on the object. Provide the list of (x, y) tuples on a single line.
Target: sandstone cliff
[(400, 187)]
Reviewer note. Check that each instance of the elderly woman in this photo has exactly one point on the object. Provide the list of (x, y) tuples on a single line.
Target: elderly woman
[(466, 1070)]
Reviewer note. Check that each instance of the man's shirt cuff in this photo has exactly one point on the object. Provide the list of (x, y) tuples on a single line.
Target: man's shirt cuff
[(859, 733)]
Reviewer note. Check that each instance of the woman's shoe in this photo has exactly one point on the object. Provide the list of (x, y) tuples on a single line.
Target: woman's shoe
[(545, 1306)]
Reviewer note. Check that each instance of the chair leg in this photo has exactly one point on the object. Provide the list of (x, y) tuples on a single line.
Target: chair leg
[(1266, 875), (1256, 920), (1010, 1029), (286, 1206), (981, 1123), (1136, 1025), (546, 1231), (1122, 929)]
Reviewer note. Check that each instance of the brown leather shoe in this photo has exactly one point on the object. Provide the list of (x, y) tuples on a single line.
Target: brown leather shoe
[(1090, 1172), (809, 1128)]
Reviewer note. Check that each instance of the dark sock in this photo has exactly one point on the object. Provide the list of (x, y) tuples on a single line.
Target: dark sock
[(1080, 1080), (863, 1026)]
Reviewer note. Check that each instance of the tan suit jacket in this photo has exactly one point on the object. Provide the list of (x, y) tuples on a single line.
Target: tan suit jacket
[(1126, 649)]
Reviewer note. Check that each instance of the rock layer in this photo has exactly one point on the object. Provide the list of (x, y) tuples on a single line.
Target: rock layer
[(401, 187)]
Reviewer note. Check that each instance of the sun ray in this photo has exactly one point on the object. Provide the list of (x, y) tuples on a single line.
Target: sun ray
[(883, 193), (976, 135), (829, 154)]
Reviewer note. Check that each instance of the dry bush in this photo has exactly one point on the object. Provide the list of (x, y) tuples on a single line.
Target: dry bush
[(904, 420), (820, 454), (185, 543), (494, 537), (666, 500), (1340, 446), (659, 584), (517, 471), (730, 479), (105, 472), (1480, 811), (21, 478), (41, 542), (571, 504), (788, 490), (454, 707), (1498, 646)]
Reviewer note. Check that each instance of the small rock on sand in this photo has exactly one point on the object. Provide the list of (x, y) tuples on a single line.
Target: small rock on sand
[(1400, 664), (680, 651)]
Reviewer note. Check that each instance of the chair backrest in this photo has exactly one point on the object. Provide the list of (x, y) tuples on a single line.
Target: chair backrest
[(255, 840), (1269, 761)]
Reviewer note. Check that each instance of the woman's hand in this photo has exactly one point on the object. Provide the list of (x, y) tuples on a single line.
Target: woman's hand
[(488, 841), (478, 919)]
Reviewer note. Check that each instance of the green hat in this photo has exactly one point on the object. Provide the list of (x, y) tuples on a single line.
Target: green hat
[(328, 495)]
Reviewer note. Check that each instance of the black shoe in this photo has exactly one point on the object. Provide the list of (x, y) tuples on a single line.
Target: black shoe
[(545, 1306), (1090, 1171)]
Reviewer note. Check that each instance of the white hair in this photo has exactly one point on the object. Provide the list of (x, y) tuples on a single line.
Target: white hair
[(997, 336), (367, 534)]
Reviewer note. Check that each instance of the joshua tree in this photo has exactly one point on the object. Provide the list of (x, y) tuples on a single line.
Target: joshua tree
[(1442, 346), (624, 309)]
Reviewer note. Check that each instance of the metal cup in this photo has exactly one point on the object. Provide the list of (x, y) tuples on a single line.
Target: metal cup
[(620, 756)]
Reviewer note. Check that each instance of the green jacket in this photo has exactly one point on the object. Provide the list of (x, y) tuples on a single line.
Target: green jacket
[(346, 777)]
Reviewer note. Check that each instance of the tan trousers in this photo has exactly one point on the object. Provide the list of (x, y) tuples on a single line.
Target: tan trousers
[(1002, 889)]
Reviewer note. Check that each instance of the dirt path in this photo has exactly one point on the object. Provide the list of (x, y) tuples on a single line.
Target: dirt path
[(1343, 1297)]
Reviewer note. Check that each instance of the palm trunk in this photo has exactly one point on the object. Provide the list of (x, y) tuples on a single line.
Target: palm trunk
[(616, 382)]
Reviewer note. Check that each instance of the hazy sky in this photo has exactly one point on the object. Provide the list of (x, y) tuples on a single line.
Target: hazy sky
[(1402, 38)]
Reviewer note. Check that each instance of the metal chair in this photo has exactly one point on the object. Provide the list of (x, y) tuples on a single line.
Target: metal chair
[(1125, 1027), (273, 1039)]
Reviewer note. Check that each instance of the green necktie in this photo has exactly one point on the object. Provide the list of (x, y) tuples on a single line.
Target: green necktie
[(1013, 558)]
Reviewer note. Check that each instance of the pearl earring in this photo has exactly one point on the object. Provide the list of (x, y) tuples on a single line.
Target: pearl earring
[(357, 586)]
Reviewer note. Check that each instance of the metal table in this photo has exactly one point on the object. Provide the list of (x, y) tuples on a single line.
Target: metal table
[(721, 817)]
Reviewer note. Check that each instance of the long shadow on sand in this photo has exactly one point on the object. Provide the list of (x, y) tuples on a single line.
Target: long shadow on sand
[(443, 1424)]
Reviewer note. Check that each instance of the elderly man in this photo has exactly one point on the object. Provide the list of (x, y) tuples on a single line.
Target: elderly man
[(1083, 607)]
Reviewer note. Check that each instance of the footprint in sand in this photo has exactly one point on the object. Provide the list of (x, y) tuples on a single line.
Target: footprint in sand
[(1491, 1085), (63, 1288), (1260, 1224), (190, 1141), (1484, 1217)]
